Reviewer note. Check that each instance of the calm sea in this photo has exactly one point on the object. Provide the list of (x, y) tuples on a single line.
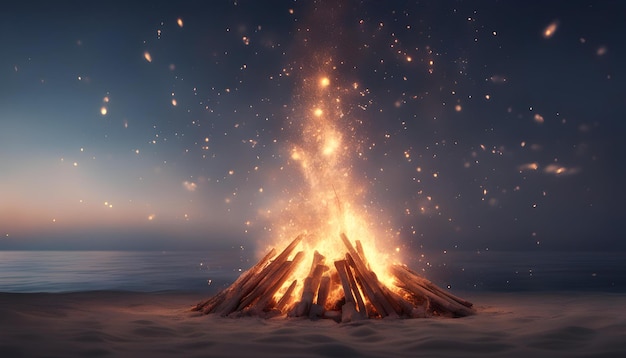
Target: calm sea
[(209, 271)]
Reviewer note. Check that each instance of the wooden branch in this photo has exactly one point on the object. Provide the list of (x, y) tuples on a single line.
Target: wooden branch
[(309, 289), (341, 267), (266, 293), (322, 292), (367, 289), (359, 249), (370, 282), (287, 296), (443, 302), (434, 288), (244, 290), (317, 260), (209, 305), (357, 294)]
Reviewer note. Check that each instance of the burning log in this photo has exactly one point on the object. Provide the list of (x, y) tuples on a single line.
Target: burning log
[(349, 292), (209, 305), (369, 281), (442, 301), (352, 294)]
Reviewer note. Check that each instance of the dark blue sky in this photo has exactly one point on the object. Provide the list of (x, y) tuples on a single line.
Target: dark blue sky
[(470, 127)]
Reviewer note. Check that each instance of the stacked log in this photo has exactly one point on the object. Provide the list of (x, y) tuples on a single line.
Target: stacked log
[(363, 295)]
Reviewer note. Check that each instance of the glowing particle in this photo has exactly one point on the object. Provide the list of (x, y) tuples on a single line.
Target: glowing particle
[(318, 112), (174, 103), (539, 118), (136, 151), (231, 172), (147, 56), (601, 51), (179, 21), (75, 164), (409, 59), (458, 108), (550, 29), (190, 186), (331, 145), (103, 111), (324, 82), (246, 40), (487, 97), (151, 217), (291, 11), (528, 166)]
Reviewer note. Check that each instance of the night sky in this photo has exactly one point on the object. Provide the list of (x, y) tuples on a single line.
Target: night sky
[(471, 125)]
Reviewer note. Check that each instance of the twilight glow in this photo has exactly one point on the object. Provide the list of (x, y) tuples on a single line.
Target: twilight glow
[(188, 125)]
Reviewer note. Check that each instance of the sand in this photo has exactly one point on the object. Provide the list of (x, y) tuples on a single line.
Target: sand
[(124, 324)]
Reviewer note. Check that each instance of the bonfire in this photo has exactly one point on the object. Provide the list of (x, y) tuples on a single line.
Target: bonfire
[(346, 291), (322, 273)]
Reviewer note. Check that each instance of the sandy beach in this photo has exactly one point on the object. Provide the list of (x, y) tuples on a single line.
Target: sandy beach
[(125, 324)]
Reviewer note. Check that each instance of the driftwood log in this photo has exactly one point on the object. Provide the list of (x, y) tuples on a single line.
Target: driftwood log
[(358, 292)]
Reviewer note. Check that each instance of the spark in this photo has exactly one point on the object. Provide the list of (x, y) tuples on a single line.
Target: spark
[(103, 111), (539, 118), (318, 112), (147, 56), (549, 31), (190, 186), (179, 21), (174, 103), (528, 166), (324, 82)]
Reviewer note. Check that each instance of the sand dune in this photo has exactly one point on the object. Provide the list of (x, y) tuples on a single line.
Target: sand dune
[(124, 324)]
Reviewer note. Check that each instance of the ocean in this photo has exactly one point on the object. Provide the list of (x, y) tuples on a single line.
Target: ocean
[(208, 271)]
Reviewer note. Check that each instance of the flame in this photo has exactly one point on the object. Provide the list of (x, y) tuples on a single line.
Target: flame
[(329, 200)]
